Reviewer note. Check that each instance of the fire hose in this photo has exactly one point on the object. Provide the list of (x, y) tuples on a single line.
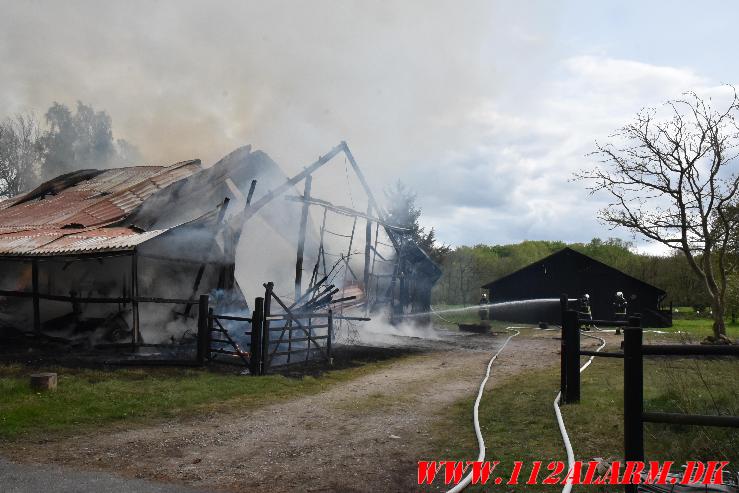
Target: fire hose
[(565, 438), (475, 414)]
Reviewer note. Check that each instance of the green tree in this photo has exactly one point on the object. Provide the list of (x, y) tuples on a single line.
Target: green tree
[(19, 154), (403, 212), (81, 139)]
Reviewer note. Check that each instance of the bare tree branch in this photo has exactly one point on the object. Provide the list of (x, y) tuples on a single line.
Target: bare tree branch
[(670, 180)]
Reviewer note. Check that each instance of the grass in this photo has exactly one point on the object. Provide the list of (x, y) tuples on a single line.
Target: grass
[(518, 423), (701, 327), (86, 399)]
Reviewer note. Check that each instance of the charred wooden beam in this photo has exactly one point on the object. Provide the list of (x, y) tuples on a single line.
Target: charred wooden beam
[(253, 209), (36, 302), (367, 254), (82, 299), (344, 211), (203, 330), (368, 191), (301, 238), (136, 334)]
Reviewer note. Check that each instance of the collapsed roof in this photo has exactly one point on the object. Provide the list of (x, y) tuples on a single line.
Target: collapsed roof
[(117, 209)]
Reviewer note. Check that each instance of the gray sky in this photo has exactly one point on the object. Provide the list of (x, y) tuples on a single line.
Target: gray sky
[(484, 108)]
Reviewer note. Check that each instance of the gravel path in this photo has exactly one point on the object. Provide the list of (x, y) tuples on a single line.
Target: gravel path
[(362, 435), (24, 478)]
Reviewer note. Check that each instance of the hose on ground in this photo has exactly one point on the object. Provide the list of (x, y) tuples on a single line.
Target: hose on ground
[(475, 414), (565, 438)]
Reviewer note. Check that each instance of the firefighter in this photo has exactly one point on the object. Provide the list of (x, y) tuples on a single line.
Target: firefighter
[(483, 311), (585, 308), (619, 306)]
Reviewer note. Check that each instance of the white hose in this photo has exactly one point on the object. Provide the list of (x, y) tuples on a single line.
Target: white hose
[(475, 415), (565, 438)]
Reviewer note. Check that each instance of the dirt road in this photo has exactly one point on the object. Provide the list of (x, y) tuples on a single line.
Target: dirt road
[(363, 435)]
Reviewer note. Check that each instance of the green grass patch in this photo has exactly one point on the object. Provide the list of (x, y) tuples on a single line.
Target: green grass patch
[(92, 398), (518, 422), (699, 328)]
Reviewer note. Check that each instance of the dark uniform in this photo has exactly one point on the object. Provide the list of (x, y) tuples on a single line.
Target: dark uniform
[(619, 306), (585, 311), (483, 311)]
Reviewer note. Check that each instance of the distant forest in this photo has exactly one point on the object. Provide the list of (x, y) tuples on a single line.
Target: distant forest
[(467, 268)]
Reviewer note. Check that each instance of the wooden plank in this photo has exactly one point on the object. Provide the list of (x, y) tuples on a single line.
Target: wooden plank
[(136, 335), (314, 326), (203, 330), (367, 254), (256, 359), (35, 293), (301, 238)]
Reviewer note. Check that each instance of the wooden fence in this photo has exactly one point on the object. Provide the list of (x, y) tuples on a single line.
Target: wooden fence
[(278, 335), (633, 355)]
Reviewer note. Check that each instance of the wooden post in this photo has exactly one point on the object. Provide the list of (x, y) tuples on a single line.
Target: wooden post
[(209, 334), (633, 395), (249, 196), (367, 252), (36, 299), (571, 328), (255, 347), (562, 348), (136, 336), (323, 250), (203, 327), (301, 237), (330, 336), (265, 327)]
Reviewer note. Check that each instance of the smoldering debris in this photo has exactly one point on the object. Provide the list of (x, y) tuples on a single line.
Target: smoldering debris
[(119, 257)]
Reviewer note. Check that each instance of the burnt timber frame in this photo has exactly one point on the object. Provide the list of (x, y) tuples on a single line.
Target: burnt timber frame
[(251, 209), (133, 297)]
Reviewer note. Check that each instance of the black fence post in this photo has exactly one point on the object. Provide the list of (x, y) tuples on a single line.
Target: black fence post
[(265, 326), (571, 329), (209, 333), (633, 395), (330, 335), (203, 334), (562, 347), (255, 346)]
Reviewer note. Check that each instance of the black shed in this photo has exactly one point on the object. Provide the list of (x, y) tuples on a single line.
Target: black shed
[(571, 272)]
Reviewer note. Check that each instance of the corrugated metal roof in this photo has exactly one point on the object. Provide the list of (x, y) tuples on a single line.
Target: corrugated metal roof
[(77, 218)]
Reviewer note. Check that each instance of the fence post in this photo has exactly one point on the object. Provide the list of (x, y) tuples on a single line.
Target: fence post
[(633, 394), (255, 346), (562, 347), (203, 334), (330, 335), (209, 333), (265, 326), (571, 329)]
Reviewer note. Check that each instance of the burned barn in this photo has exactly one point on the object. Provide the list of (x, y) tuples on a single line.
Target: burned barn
[(119, 258), (575, 274)]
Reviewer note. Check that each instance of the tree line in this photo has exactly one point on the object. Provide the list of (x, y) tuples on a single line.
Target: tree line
[(32, 151), (467, 268)]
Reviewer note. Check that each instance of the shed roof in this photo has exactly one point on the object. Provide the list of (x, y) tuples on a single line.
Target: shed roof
[(81, 211), (570, 251)]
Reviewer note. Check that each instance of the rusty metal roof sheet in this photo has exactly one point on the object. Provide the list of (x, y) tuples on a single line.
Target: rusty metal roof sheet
[(80, 217)]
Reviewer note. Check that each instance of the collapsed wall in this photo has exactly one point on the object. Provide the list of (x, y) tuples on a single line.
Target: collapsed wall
[(147, 232), (119, 256)]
